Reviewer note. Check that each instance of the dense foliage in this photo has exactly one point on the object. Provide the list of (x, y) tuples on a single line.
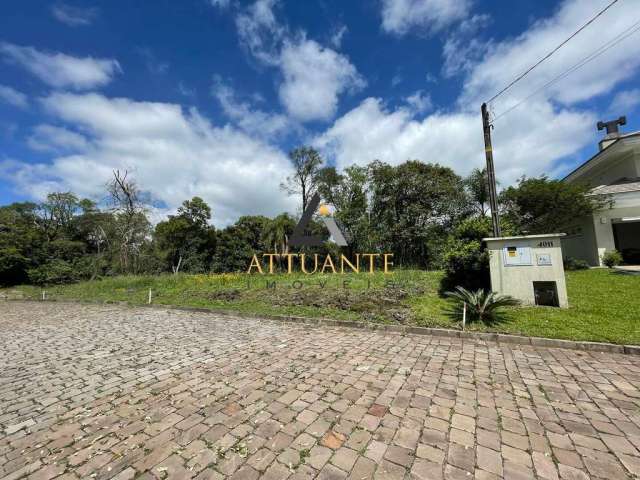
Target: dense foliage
[(540, 205), (425, 214)]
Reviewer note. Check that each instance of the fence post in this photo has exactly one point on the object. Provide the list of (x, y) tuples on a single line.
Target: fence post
[(149, 296), (464, 315)]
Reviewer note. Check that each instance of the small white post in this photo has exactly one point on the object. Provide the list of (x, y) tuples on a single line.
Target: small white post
[(44, 295), (464, 315), (149, 296)]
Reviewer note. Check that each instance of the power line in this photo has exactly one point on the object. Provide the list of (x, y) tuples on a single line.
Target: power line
[(592, 56), (525, 73)]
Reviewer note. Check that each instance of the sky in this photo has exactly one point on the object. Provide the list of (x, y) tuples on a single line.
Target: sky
[(206, 97)]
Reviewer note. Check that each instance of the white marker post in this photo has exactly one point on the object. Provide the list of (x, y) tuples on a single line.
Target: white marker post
[(149, 296), (464, 315)]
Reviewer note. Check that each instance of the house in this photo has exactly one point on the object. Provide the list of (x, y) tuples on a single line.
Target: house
[(613, 171)]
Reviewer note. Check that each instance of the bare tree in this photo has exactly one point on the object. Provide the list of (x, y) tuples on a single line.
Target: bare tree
[(306, 163), (131, 221)]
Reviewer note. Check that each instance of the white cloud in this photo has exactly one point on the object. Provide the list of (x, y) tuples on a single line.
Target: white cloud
[(462, 49), (625, 102), (419, 101), (371, 131), (429, 16), (314, 78), (74, 16), (259, 31), (507, 59), (338, 35), (253, 121), (60, 70), (13, 96), (52, 138), (543, 137), (174, 154)]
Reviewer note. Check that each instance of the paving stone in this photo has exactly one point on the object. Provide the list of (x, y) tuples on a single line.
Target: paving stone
[(117, 392), (389, 471), (426, 470), (330, 472), (544, 466), (363, 469), (344, 459), (318, 456), (401, 456), (489, 460)]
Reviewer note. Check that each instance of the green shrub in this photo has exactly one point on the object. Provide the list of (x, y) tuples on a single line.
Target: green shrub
[(55, 271), (482, 305), (611, 258), (571, 263), (466, 264), (465, 258)]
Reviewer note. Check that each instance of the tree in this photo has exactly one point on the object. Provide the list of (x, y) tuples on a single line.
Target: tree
[(253, 227), (276, 233), (306, 163), (131, 223), (196, 212), (413, 207), (233, 250), (186, 241), (540, 205), (21, 241), (57, 212), (347, 192), (477, 187)]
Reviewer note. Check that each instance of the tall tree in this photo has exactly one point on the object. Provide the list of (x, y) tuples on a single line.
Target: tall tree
[(540, 205), (413, 206), (131, 223), (306, 163), (57, 212), (477, 187), (186, 241), (276, 233), (347, 192)]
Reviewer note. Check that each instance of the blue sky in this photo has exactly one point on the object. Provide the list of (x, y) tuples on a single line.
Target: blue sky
[(205, 97)]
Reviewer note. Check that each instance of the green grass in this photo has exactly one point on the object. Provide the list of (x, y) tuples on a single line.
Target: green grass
[(604, 306)]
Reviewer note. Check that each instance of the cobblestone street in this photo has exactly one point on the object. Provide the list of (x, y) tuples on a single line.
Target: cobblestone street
[(117, 392)]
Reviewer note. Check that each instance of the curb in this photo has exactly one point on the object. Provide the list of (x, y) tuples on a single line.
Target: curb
[(498, 338)]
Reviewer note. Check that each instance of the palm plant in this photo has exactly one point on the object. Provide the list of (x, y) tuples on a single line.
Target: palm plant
[(482, 304)]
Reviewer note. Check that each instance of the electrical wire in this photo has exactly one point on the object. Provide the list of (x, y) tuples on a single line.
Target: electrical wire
[(526, 72), (592, 56)]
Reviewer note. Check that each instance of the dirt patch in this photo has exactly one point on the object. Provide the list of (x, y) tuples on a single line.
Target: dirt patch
[(375, 304)]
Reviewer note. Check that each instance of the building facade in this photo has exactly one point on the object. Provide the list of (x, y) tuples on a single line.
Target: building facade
[(615, 172)]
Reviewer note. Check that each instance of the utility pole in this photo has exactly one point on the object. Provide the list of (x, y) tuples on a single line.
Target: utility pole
[(491, 173)]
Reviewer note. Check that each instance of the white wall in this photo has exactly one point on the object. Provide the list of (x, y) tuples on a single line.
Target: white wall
[(580, 242), (517, 281)]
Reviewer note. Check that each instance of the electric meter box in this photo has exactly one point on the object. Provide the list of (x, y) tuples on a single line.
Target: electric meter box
[(529, 268)]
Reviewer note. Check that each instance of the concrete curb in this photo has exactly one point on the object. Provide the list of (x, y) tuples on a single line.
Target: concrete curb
[(498, 338)]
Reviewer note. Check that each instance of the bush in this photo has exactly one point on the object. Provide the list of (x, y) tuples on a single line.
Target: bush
[(571, 263), (466, 264), (612, 258), (482, 305), (53, 272), (465, 258)]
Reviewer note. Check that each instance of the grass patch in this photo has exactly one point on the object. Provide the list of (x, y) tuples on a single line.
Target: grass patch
[(604, 306)]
